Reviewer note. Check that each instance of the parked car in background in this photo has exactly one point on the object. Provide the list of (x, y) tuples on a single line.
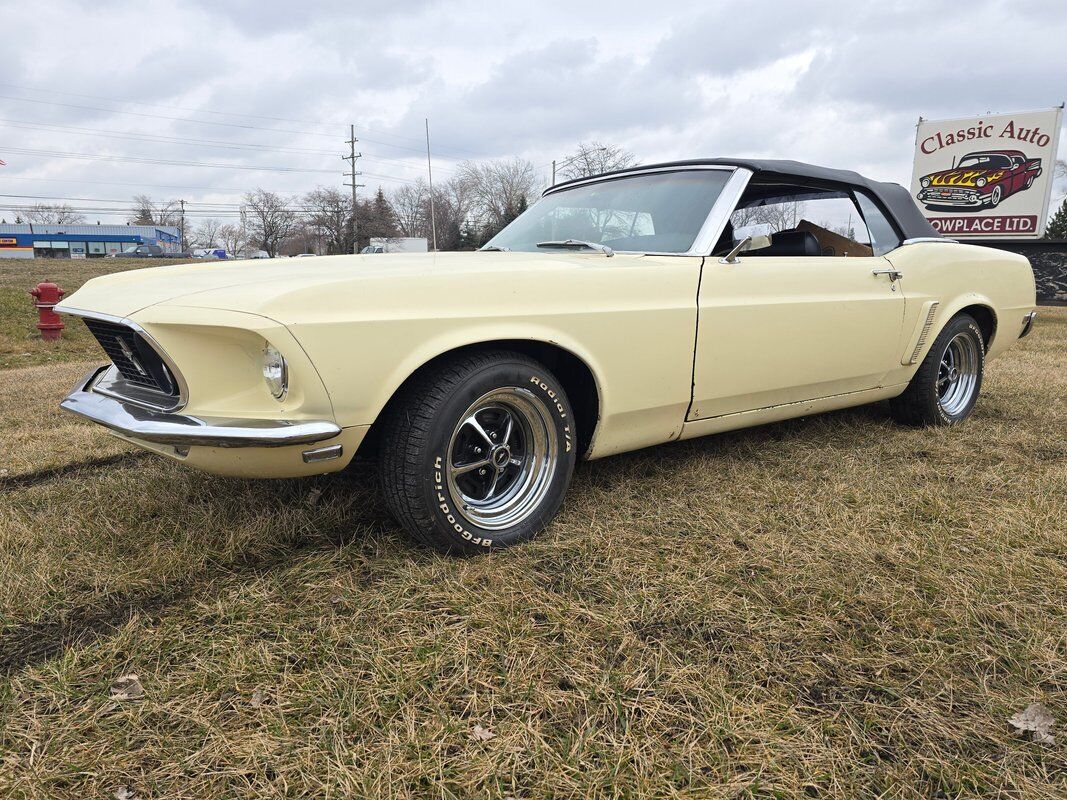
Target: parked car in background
[(401, 244), (624, 310), (149, 251), (979, 180), (211, 252)]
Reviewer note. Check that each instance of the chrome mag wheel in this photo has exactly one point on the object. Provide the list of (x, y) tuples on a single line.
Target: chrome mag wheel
[(502, 457), (957, 375)]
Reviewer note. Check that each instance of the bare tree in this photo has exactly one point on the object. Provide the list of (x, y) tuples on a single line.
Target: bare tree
[(780, 216), (498, 191), (271, 220), (44, 214), (593, 158), (146, 211), (329, 212), (207, 233), (1061, 168), (410, 205), (233, 237)]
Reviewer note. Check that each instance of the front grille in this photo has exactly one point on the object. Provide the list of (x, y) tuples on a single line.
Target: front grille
[(954, 194), (134, 358)]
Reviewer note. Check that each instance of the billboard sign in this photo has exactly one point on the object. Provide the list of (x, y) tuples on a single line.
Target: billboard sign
[(988, 176)]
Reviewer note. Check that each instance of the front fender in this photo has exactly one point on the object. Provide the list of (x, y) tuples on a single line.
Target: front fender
[(363, 381)]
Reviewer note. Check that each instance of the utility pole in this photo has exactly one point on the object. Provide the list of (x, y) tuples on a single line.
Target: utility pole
[(429, 172), (182, 228), (351, 159)]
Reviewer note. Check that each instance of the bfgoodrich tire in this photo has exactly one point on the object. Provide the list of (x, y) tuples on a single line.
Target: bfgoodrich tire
[(947, 384), (477, 452)]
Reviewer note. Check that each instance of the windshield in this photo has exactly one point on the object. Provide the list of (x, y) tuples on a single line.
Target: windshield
[(986, 161), (659, 212)]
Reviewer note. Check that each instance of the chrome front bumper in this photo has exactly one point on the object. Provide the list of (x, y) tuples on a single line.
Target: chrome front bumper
[(968, 198), (183, 430)]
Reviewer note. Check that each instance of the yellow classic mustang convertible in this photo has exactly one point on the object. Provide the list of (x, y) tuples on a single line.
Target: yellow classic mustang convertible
[(620, 311)]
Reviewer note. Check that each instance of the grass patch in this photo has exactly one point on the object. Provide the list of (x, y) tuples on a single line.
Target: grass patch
[(20, 341), (828, 607)]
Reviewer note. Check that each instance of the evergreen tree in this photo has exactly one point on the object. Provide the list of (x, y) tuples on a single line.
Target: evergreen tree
[(1057, 224)]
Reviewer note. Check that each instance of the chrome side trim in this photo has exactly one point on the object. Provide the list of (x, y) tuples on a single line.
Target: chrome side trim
[(1028, 323), (933, 239), (178, 429), (925, 333), (183, 387)]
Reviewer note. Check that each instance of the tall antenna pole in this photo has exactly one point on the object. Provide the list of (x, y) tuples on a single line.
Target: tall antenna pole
[(429, 171), (351, 159)]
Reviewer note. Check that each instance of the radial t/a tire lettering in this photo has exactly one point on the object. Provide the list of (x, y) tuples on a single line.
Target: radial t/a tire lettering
[(478, 452)]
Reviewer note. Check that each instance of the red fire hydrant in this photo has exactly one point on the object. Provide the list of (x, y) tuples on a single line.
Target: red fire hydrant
[(45, 296)]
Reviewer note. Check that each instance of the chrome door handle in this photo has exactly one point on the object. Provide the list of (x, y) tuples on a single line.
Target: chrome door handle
[(894, 275)]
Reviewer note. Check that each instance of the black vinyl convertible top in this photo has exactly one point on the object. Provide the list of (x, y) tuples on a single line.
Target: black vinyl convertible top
[(894, 198)]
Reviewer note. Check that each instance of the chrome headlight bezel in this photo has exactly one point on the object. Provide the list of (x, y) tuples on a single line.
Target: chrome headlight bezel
[(275, 371), (925, 183), (981, 182)]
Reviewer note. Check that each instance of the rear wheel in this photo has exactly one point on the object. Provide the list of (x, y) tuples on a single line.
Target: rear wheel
[(478, 452), (947, 384)]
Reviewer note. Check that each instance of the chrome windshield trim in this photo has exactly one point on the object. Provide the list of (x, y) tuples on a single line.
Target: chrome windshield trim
[(714, 223), (614, 176), (720, 212), (183, 388), (159, 427)]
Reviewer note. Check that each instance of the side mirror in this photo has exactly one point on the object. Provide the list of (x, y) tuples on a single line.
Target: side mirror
[(748, 243)]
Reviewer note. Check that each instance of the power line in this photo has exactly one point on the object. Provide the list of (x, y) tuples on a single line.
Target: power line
[(179, 163), (151, 138), (153, 161), (209, 111), (161, 116), (197, 121)]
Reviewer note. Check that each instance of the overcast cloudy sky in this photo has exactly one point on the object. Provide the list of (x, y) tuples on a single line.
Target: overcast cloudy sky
[(267, 83)]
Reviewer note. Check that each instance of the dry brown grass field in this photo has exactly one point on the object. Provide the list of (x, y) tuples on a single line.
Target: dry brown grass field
[(831, 607)]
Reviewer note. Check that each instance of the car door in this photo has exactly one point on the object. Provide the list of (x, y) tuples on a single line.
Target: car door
[(779, 327)]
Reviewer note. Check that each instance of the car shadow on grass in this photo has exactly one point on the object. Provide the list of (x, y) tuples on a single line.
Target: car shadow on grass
[(30, 643)]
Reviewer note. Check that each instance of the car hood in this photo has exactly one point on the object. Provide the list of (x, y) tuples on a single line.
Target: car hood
[(292, 290), (964, 177)]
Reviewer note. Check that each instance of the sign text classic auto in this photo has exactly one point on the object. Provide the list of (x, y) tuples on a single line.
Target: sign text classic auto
[(987, 176)]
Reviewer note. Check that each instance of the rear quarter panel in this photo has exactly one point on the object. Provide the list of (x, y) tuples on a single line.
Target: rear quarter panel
[(957, 276)]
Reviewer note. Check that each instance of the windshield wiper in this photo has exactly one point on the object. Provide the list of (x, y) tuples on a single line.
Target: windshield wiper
[(490, 247), (574, 244)]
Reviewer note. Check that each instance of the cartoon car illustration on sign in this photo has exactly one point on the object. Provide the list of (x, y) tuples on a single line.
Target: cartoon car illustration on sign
[(979, 180)]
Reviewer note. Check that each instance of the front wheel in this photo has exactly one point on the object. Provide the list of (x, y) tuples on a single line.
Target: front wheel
[(946, 386), (478, 452)]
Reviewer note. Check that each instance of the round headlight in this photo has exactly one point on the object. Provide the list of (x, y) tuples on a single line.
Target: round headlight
[(925, 182), (980, 182), (275, 371)]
